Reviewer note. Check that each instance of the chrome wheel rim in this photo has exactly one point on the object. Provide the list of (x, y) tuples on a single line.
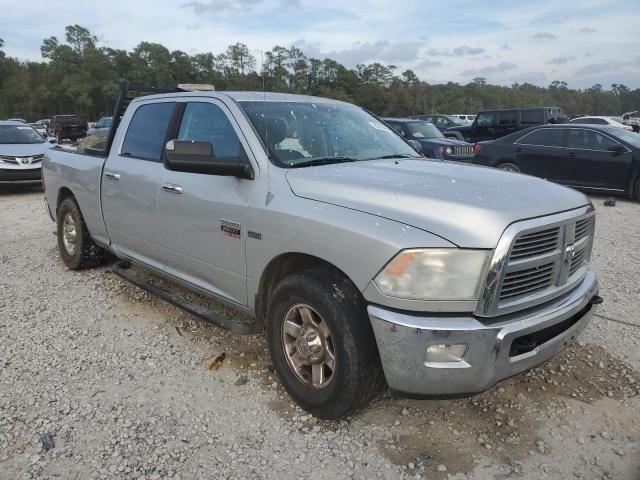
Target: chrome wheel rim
[(69, 234), (509, 168), (308, 346)]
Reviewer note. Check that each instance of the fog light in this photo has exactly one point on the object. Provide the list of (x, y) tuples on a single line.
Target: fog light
[(442, 353)]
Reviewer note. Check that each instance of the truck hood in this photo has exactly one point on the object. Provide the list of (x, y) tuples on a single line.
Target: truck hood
[(467, 205)]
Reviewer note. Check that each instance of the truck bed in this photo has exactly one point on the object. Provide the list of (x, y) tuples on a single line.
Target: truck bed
[(81, 173)]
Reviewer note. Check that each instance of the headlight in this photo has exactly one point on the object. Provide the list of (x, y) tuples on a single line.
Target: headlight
[(434, 274), (448, 150)]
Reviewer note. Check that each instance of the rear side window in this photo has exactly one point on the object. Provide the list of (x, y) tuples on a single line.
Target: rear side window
[(531, 117), (206, 122), (508, 118), (544, 137), (147, 131), (589, 140)]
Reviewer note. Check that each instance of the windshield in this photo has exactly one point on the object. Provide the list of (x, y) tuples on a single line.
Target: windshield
[(421, 130), (10, 134), (297, 133), (455, 120), (631, 138)]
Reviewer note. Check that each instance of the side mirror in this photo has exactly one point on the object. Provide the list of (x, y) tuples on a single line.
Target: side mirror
[(417, 146), (617, 149), (198, 157)]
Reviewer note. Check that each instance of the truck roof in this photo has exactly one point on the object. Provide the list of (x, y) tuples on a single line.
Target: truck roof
[(244, 97)]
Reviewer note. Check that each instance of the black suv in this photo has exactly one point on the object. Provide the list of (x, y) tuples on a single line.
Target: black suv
[(492, 124)]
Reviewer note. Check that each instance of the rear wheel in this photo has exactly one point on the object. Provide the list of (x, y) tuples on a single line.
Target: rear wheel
[(322, 344), (509, 167), (77, 249)]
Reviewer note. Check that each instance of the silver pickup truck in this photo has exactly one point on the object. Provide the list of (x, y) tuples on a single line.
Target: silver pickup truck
[(362, 261)]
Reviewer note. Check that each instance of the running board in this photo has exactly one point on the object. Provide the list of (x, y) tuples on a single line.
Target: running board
[(122, 270)]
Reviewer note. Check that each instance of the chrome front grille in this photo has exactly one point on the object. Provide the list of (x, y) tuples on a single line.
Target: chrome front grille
[(536, 243), (538, 260), (463, 151), (20, 160), (526, 281)]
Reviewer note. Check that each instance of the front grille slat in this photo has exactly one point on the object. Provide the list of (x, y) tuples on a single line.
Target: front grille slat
[(526, 281), (536, 243)]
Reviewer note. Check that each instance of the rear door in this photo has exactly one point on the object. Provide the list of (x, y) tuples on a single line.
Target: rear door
[(130, 182), (203, 217), (542, 153), (591, 163), (508, 121)]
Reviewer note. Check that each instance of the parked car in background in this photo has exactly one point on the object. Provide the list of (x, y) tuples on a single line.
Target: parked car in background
[(101, 127), (601, 120), (590, 157), (68, 127), (21, 152), (468, 119), (492, 124), (41, 129), (441, 122), (360, 260), (632, 119), (433, 143)]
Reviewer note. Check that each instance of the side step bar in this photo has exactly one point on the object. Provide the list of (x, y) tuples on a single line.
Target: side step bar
[(122, 270)]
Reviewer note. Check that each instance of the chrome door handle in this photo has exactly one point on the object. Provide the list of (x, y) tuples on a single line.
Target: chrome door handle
[(170, 187), (112, 175)]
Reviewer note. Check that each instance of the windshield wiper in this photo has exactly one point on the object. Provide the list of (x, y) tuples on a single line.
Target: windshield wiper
[(322, 161), (395, 155)]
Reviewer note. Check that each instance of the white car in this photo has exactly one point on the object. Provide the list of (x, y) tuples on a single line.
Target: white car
[(465, 118), (601, 120), (21, 152)]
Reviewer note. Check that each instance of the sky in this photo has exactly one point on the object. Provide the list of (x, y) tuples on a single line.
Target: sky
[(580, 42)]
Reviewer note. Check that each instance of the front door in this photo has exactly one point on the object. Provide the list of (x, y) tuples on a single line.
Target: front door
[(593, 165), (542, 153), (130, 183), (202, 218), (484, 127)]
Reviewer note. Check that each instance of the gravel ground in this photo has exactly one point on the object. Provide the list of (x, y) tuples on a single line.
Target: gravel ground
[(98, 380)]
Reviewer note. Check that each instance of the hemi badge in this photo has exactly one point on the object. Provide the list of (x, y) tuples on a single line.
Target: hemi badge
[(230, 229)]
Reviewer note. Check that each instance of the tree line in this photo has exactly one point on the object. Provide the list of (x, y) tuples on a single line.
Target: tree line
[(80, 76)]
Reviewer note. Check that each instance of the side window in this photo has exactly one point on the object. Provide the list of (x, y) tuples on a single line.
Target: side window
[(531, 117), (206, 122), (486, 120), (508, 118), (544, 137), (147, 131), (590, 140)]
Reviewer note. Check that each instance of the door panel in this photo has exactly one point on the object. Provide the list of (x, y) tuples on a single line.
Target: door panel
[(541, 153), (130, 184), (203, 228), (592, 165)]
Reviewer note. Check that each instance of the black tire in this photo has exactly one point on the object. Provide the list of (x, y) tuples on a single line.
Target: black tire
[(86, 253), (358, 375), (636, 189), (509, 167)]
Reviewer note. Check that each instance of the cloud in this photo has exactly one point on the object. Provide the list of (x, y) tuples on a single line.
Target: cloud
[(456, 52), (505, 47), (587, 30), (543, 36), (537, 78), (362, 52), (560, 60), (490, 69), (427, 64), (598, 68), (217, 5)]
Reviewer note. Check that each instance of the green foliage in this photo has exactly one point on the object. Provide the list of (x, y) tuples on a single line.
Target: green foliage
[(80, 76)]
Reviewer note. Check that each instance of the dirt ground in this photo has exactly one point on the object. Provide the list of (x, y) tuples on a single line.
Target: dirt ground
[(99, 380)]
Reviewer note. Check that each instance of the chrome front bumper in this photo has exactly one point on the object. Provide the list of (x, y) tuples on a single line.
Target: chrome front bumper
[(403, 339)]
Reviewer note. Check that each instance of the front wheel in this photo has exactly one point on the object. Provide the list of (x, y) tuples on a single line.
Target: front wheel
[(322, 344), (636, 189), (509, 167), (77, 249)]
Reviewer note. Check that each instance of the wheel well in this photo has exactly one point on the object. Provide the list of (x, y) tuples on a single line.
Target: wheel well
[(282, 266), (62, 194)]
